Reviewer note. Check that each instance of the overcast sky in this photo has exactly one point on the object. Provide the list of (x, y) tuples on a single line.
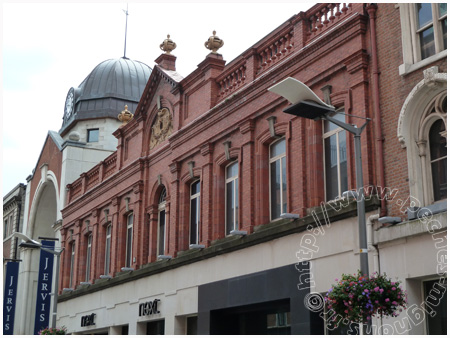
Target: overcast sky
[(47, 48)]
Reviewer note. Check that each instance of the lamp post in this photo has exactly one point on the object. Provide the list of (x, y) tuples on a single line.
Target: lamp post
[(306, 104), (32, 244)]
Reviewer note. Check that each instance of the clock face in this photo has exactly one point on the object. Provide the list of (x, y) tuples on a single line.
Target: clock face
[(68, 108)]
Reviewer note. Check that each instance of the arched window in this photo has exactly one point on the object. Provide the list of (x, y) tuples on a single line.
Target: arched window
[(422, 130), (278, 184), (162, 222), (438, 160), (232, 197), (195, 213)]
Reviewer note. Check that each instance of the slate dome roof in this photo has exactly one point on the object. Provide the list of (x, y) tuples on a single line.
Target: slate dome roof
[(110, 86)]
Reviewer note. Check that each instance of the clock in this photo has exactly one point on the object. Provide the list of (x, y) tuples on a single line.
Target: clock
[(68, 107)]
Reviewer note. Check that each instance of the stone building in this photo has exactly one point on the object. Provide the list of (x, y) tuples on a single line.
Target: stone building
[(183, 229), (13, 205)]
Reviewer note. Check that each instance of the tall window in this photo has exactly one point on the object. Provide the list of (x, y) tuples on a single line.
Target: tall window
[(195, 213), (431, 28), (72, 265), (5, 228), (438, 160), (335, 158), (88, 258), (107, 249), (278, 184), (129, 249), (232, 197), (162, 222)]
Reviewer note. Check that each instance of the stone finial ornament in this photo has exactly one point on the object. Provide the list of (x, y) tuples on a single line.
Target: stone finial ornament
[(125, 116), (168, 45), (214, 43)]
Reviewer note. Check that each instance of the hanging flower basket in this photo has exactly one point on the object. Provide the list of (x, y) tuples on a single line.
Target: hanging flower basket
[(60, 330), (357, 298)]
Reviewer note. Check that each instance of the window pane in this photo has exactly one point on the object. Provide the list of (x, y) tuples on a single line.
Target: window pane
[(444, 32), (329, 126), (88, 258), (195, 188), (439, 173), (278, 148), (331, 169), (343, 161), (275, 189), (284, 180), (230, 206), (130, 219), (92, 135), (162, 225), (129, 247), (232, 170), (424, 14), (442, 9), (107, 250), (437, 142), (194, 221), (427, 43)]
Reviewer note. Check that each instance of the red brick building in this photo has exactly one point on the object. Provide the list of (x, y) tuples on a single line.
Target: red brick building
[(180, 230)]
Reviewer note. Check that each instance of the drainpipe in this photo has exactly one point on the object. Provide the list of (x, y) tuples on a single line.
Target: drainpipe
[(371, 9)]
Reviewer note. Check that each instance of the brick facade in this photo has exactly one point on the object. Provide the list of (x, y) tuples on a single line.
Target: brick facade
[(220, 103)]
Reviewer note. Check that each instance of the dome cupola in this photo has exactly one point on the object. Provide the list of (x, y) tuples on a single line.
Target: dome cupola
[(105, 91)]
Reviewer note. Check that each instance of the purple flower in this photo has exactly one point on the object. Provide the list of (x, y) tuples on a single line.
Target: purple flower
[(394, 288), (386, 300), (366, 291), (376, 289)]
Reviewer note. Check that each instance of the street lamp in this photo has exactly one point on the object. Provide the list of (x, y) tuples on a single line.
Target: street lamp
[(305, 103), (32, 244)]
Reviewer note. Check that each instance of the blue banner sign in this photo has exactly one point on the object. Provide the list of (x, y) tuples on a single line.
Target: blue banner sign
[(9, 300), (44, 287)]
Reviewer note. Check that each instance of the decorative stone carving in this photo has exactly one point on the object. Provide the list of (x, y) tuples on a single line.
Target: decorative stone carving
[(429, 75), (161, 128), (214, 43), (168, 45), (125, 116)]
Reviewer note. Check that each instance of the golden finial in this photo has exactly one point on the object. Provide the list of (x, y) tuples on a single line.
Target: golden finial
[(168, 45), (214, 43), (125, 116)]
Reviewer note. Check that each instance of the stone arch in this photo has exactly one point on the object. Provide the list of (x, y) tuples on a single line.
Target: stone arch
[(415, 119)]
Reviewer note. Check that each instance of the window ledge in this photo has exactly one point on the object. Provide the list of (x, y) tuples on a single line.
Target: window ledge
[(407, 68)]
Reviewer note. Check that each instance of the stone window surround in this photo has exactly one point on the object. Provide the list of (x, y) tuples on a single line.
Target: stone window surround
[(413, 128), (410, 45)]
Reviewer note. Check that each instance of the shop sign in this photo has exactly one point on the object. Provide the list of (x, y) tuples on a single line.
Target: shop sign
[(149, 308), (44, 287), (88, 320), (9, 300)]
